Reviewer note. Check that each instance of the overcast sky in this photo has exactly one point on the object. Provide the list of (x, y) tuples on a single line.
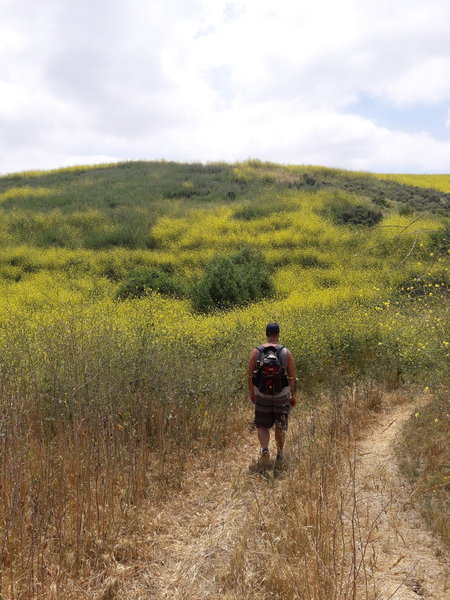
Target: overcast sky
[(357, 84)]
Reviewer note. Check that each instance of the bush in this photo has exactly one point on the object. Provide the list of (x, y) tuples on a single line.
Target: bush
[(308, 179), (251, 210), (51, 237), (142, 281), (405, 211), (237, 280), (360, 215), (343, 210), (308, 261)]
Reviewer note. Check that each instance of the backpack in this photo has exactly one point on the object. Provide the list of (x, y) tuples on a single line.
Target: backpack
[(270, 376)]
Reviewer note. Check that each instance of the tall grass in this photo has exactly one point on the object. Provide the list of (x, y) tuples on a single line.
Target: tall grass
[(307, 540), (92, 423), (423, 451)]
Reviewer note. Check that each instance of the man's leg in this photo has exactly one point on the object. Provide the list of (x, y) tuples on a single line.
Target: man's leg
[(281, 425), (280, 437), (263, 436), (263, 422)]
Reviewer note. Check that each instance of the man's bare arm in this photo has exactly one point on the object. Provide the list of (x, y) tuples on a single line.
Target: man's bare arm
[(251, 368), (292, 374)]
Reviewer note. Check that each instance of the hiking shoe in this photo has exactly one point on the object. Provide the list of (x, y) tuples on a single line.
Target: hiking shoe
[(265, 455), (280, 466)]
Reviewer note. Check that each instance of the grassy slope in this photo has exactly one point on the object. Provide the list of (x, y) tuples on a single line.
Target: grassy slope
[(436, 182), (81, 231), (82, 375)]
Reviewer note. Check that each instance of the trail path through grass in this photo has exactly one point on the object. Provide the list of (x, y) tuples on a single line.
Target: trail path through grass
[(189, 545), (191, 538), (404, 560)]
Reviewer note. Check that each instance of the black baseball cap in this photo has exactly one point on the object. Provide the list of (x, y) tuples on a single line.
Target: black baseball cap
[(272, 329)]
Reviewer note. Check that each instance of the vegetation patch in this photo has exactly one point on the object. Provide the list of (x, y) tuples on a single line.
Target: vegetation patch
[(102, 409), (344, 210), (142, 282), (254, 211), (107, 239), (309, 260), (424, 453), (441, 239), (360, 215), (184, 192), (233, 281), (428, 284)]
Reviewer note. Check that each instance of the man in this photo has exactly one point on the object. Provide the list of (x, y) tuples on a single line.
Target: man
[(273, 409)]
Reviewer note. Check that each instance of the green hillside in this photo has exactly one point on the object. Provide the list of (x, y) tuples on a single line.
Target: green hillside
[(80, 238), (130, 298)]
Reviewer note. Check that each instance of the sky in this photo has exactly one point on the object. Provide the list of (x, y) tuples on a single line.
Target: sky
[(353, 84)]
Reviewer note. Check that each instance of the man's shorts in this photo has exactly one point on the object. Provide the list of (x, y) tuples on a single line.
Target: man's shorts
[(272, 411)]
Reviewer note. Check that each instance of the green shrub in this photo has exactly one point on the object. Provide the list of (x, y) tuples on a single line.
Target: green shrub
[(254, 274), (311, 260), (406, 210), (51, 237), (219, 287), (185, 192), (360, 215), (252, 211), (142, 281), (233, 281), (343, 210), (308, 179)]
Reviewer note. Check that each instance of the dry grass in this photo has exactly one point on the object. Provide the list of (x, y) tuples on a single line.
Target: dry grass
[(72, 485), (424, 454), (295, 543), (325, 527), (236, 531), (402, 558)]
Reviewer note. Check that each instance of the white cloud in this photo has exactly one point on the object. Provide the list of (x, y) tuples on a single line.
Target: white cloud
[(427, 82), (218, 79)]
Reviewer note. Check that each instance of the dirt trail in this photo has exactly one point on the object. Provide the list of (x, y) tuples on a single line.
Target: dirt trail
[(406, 561), (190, 540), (188, 544)]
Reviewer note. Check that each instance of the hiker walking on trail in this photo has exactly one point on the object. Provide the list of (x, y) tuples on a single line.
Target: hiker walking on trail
[(272, 381)]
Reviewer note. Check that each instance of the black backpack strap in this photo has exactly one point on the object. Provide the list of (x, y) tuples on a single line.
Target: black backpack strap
[(279, 348), (260, 351), (282, 356)]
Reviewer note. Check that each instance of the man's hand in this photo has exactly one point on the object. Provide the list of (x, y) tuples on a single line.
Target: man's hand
[(253, 397), (293, 400)]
